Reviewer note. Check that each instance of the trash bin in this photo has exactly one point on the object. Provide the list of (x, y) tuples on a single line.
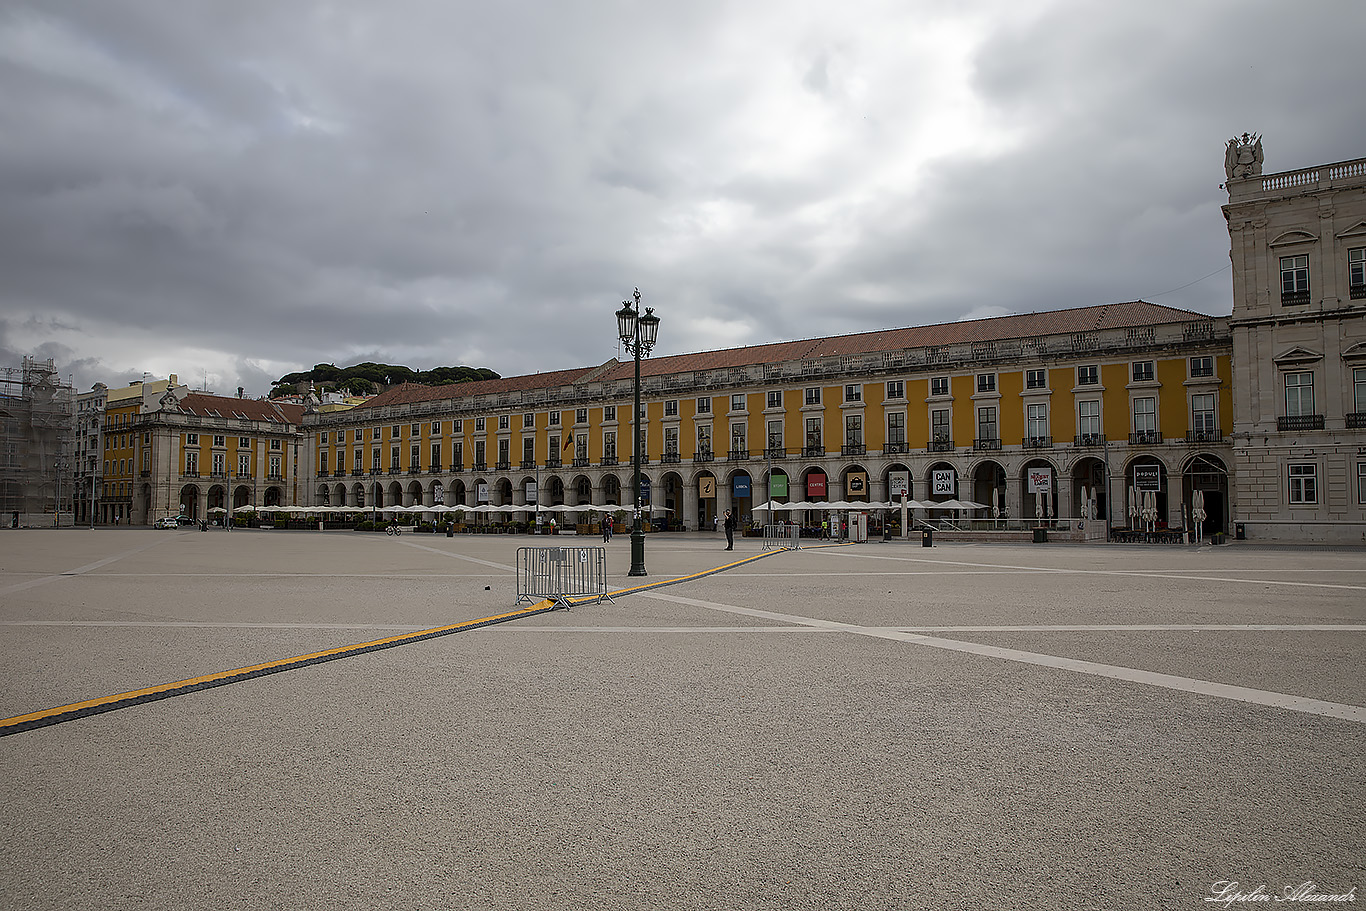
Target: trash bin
[(1040, 536), (450, 531), (927, 537), (1239, 533)]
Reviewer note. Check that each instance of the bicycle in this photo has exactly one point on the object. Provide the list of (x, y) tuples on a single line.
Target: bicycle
[(393, 529)]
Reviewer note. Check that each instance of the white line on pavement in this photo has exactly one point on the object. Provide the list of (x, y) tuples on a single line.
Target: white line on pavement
[(1166, 681)]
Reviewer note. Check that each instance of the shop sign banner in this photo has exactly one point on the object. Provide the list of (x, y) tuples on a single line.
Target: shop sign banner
[(1147, 477), (644, 491), (857, 482), (815, 485), (531, 494), (943, 481), (740, 486), (1040, 480), (438, 494), (481, 492), (706, 488), (898, 483), (777, 486)]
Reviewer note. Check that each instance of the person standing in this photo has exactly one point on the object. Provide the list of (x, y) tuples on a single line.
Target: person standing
[(730, 530), (606, 530)]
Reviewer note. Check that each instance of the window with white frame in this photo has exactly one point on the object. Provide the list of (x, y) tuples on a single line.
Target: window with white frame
[(704, 405), (504, 452), (218, 440), (358, 461), (415, 457), (671, 408), (374, 460), (192, 439), (775, 434), (813, 395), (1036, 379), (191, 463), (609, 446), (703, 439), (554, 420), (609, 412), (553, 447), (1145, 414), (737, 402), (275, 444), (896, 389), (393, 457), (1088, 375), (394, 432), (322, 437), (504, 422), (528, 420), (457, 426), (986, 382), (1036, 421), (478, 425), (1361, 483), (1295, 279), (1088, 418), (1359, 390), (243, 465), (528, 450), (1356, 273), (853, 392), (671, 441), (814, 435), (415, 429), (1299, 393), (939, 385), (775, 399), (244, 441), (1202, 414), (1202, 366), (737, 436), (436, 428), (275, 466), (435, 463), (1143, 371), (1304, 484), (220, 463), (581, 416), (322, 462)]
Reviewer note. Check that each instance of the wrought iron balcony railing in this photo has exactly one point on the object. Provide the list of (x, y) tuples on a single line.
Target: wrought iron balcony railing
[(853, 449), (895, 447), (940, 446), (813, 451), (1294, 297), (984, 443), (671, 458), (775, 452), (553, 462), (703, 455), (580, 461), (1089, 439), (528, 464), (737, 455), (1037, 443), (1145, 437), (1300, 422), (1356, 420), (1209, 435)]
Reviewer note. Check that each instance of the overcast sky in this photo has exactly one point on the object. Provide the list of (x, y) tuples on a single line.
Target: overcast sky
[(231, 191)]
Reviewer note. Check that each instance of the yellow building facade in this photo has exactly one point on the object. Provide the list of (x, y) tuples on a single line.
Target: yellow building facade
[(1023, 414)]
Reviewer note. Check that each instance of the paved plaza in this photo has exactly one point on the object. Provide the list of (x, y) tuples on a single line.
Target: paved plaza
[(870, 726)]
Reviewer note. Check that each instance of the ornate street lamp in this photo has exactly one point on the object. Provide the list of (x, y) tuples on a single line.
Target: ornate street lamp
[(638, 333)]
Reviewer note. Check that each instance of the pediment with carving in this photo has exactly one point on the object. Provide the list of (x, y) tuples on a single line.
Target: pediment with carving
[(1296, 356), (1356, 230), (1293, 237), (1356, 353)]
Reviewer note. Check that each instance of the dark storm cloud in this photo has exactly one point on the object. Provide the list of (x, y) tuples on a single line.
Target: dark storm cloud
[(236, 191)]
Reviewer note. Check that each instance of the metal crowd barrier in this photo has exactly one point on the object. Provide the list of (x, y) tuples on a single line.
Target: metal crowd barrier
[(561, 573), (782, 537)]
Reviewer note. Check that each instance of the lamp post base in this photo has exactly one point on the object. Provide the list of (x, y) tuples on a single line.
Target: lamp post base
[(637, 553)]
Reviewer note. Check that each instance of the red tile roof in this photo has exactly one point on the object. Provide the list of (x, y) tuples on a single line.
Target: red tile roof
[(225, 406), (997, 328)]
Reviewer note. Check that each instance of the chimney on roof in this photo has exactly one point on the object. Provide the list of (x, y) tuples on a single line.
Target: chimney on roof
[(239, 392), (174, 380)]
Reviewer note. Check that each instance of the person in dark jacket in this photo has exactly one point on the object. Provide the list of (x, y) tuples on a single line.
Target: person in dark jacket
[(730, 530)]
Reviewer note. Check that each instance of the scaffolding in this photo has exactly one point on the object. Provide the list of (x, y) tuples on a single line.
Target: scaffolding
[(37, 435)]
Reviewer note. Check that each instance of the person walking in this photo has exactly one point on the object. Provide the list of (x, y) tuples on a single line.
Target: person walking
[(730, 530), (606, 530)]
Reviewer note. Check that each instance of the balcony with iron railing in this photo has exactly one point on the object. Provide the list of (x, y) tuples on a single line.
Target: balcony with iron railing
[(853, 449), (1356, 420), (986, 443), (940, 444), (1300, 422), (394, 469), (434, 469), (895, 447), (775, 452), (503, 465), (1089, 439), (1357, 292), (1145, 437), (813, 451), (609, 460), (528, 464), (1292, 298), (671, 457), (1037, 443), (580, 461), (553, 462), (704, 455), (481, 465), (356, 473), (737, 455), (457, 466), (1208, 435), (322, 473)]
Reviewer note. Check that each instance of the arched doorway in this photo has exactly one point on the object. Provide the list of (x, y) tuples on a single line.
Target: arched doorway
[(669, 502), (989, 486), (1207, 474), (241, 496), (1039, 490), (324, 495), (741, 496), (1089, 477), (358, 496), (1141, 474), (415, 497), (189, 501), (705, 488), (611, 490), (273, 496), (855, 483)]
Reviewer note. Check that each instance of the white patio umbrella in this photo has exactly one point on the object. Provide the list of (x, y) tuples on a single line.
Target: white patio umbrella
[(242, 509)]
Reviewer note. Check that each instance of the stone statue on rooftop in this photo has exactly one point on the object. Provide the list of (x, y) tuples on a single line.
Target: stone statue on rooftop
[(1243, 157)]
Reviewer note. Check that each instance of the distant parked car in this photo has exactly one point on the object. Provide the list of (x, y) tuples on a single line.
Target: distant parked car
[(185, 520), (165, 522)]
